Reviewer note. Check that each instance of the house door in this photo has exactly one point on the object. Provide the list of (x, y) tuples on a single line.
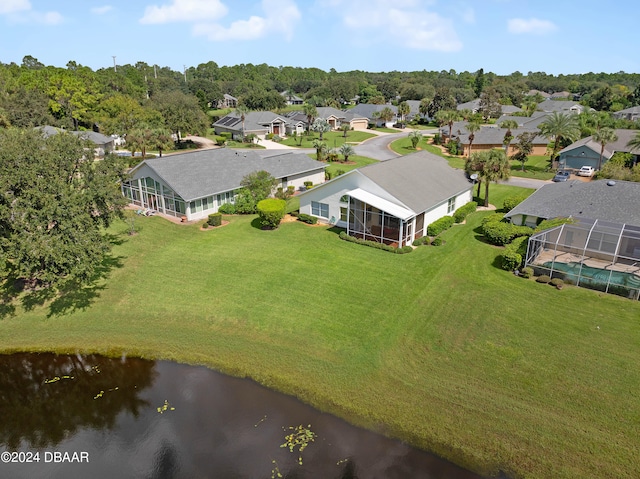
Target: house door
[(152, 202), (276, 129)]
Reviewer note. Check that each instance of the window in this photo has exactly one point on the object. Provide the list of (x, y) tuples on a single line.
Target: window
[(319, 209), (343, 214), (344, 199), (451, 205)]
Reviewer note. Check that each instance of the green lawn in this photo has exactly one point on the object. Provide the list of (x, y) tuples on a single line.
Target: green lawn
[(333, 139), (438, 347)]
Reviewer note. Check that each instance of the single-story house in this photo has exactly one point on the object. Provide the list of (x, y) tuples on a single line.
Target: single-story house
[(586, 152), (391, 202), (474, 107), (337, 118), (561, 94), (259, 123), (371, 111), (631, 114), (565, 106), (532, 121), (614, 201), (195, 184), (489, 137), (534, 92), (291, 98), (227, 101), (103, 144)]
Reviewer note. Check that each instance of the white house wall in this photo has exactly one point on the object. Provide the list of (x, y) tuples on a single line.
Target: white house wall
[(297, 181)]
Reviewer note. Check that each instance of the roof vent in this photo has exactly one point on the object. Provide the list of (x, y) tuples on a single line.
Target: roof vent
[(611, 183)]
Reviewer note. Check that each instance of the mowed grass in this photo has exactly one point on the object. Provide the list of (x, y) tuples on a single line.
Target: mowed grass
[(438, 347), (333, 139)]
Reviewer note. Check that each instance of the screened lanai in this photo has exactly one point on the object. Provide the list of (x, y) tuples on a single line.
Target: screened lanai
[(594, 254)]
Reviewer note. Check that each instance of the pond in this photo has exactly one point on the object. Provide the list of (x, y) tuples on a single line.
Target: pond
[(92, 416)]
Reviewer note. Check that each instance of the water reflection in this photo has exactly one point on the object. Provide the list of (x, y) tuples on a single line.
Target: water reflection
[(212, 426)]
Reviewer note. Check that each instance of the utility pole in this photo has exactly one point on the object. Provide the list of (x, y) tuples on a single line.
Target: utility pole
[(184, 69), (155, 71), (114, 64)]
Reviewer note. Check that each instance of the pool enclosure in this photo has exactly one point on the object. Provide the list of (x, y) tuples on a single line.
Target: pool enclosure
[(593, 254)]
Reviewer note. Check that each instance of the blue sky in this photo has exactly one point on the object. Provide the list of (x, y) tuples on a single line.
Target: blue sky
[(501, 36)]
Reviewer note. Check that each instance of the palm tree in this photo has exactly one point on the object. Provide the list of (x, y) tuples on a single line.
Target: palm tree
[(634, 144), (322, 126), (320, 147), (403, 110), (530, 106), (472, 127), (161, 139), (495, 167), (424, 107), (415, 136), (508, 136), (311, 112), (386, 114), (473, 165), (345, 129), (447, 117), (243, 111), (603, 136), (347, 150), (559, 126)]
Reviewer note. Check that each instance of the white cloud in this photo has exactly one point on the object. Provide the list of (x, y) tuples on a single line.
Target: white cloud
[(101, 10), (11, 6), (185, 11), (531, 25), (280, 16), (405, 23)]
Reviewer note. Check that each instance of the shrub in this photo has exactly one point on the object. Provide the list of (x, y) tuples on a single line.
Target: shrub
[(543, 279), (438, 226), (461, 213), (500, 233), (311, 220), (526, 272), (374, 244), (226, 135), (339, 172), (269, 136), (437, 139), (271, 212), (557, 282), (205, 225), (514, 253), (421, 241), (227, 209), (220, 140), (215, 219), (295, 213), (437, 241), (291, 190), (453, 147), (493, 217), (276, 138), (511, 202), (308, 184)]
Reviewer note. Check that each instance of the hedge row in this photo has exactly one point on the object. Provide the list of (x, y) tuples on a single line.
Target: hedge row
[(375, 244), (499, 232), (514, 253), (311, 220), (510, 202), (227, 209), (438, 226), (461, 213)]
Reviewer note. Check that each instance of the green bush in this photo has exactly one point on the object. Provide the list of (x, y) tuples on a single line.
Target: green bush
[(271, 212), (500, 232), (461, 213), (421, 241), (205, 225), (511, 202), (220, 140), (438, 226), (311, 220), (227, 209), (226, 135), (514, 253), (543, 279), (374, 244), (437, 241), (526, 272), (269, 136), (453, 147), (215, 219), (308, 184), (493, 217), (291, 190), (557, 282)]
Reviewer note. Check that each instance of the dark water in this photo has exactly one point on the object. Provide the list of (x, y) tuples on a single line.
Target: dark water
[(131, 418)]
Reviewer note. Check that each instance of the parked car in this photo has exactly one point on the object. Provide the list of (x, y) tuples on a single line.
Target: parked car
[(586, 171), (562, 175)]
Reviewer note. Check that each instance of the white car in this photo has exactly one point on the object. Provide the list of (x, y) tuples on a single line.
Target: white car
[(586, 171)]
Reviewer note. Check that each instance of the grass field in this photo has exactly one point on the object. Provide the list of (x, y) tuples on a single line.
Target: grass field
[(333, 139), (439, 347)]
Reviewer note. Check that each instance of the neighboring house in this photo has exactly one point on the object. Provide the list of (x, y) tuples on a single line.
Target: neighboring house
[(227, 101), (543, 94), (390, 202), (474, 107), (565, 106), (337, 118), (586, 152), (597, 200), (370, 112), (414, 110), (489, 137), (631, 114), (561, 95), (196, 184), (103, 144), (259, 123), (291, 98), (532, 121)]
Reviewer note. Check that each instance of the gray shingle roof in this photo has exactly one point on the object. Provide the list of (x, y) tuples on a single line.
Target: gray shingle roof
[(97, 138), (253, 121), (420, 180), (558, 105), (366, 110), (204, 173), (624, 136), (593, 199)]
